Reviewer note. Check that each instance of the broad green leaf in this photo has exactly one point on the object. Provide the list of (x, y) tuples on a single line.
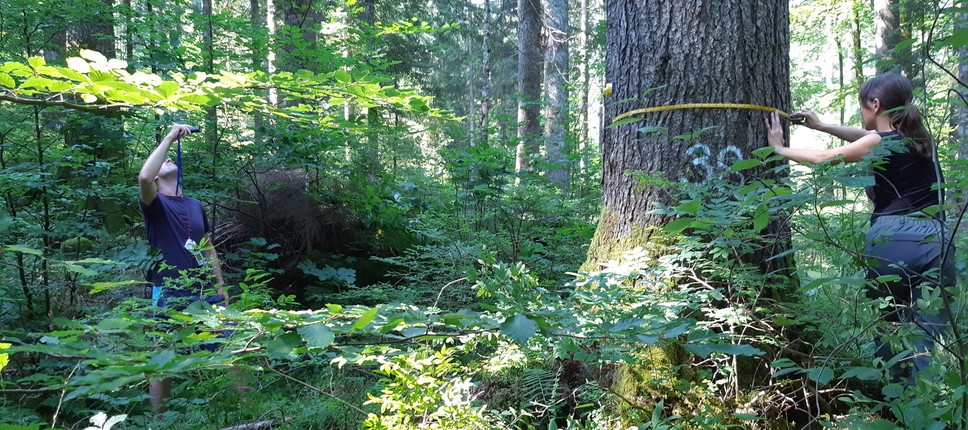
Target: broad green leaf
[(80, 269), (704, 350), (167, 89), (677, 225), (821, 375), (365, 320), (652, 129), (745, 164), (36, 82), (761, 217), (316, 335), (98, 287), (60, 86), (691, 207), (7, 80), (199, 99), (342, 76), (114, 324), (161, 359), (93, 56), (284, 345), (520, 328), (862, 373), (89, 98), (36, 62)]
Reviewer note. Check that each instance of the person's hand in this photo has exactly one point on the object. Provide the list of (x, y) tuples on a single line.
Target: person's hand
[(178, 130), (774, 132), (810, 119)]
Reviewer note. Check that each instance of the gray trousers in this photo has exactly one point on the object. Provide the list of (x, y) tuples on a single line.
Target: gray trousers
[(913, 249)]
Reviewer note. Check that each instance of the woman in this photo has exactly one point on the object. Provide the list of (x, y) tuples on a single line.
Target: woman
[(903, 240)]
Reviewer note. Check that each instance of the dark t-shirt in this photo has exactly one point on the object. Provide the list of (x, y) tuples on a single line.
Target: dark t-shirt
[(176, 226), (903, 183)]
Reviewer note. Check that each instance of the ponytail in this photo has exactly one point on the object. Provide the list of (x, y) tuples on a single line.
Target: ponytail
[(896, 95)]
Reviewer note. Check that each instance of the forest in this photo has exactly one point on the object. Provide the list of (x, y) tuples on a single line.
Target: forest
[(474, 214)]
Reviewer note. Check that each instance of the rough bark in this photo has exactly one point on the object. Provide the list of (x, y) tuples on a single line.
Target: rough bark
[(584, 84), (485, 72), (529, 82), (683, 51)]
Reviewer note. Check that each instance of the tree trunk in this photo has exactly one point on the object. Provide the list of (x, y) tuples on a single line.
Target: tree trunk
[(959, 117), (684, 51), (584, 84), (529, 82), (858, 48), (556, 88), (485, 73), (887, 34), (258, 57)]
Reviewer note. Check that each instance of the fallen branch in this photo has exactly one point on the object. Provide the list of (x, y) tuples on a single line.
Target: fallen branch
[(261, 425)]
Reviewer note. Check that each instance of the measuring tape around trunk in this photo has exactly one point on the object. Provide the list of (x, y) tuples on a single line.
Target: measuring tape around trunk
[(793, 118)]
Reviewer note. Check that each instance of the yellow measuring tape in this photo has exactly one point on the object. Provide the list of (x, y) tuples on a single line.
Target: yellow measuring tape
[(701, 105)]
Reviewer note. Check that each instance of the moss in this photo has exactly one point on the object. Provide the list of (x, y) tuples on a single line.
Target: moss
[(608, 246), (76, 245)]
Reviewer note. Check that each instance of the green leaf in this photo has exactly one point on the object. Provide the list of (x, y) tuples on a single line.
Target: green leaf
[(167, 89), (25, 250), (652, 129), (365, 319), (862, 373), (624, 121), (761, 217), (7, 80), (4, 358), (284, 345), (342, 76), (316, 335), (763, 152), (80, 270), (856, 181), (89, 98), (36, 62), (691, 207), (199, 99), (520, 328), (821, 375), (704, 350), (745, 164), (677, 225), (36, 82), (162, 358), (111, 324)]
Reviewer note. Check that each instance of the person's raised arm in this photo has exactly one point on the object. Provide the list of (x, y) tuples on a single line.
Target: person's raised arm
[(850, 152), (148, 190), (849, 134)]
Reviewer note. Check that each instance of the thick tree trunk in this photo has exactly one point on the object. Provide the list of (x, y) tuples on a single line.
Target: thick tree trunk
[(664, 52), (556, 88), (529, 82)]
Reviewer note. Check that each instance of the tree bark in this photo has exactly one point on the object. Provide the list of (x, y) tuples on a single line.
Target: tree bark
[(529, 82), (664, 52), (584, 85), (556, 89), (858, 48), (887, 35)]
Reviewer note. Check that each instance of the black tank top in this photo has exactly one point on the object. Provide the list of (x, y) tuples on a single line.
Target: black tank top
[(905, 182)]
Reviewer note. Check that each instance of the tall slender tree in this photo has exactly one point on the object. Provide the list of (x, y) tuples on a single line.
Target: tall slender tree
[(556, 89), (529, 82)]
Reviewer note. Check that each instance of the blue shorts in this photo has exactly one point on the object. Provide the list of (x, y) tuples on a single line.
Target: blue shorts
[(162, 297)]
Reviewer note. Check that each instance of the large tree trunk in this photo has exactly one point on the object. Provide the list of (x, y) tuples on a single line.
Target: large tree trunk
[(683, 51), (584, 84), (485, 73), (556, 88), (529, 82), (887, 35)]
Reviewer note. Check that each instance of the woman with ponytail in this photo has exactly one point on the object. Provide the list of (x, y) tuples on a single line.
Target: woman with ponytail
[(904, 240)]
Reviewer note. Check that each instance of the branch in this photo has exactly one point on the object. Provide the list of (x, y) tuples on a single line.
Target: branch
[(69, 105)]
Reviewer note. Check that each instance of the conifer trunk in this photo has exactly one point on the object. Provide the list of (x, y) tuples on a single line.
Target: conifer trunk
[(664, 52)]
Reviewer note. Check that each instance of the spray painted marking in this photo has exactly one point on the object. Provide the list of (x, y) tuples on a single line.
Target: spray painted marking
[(708, 165)]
